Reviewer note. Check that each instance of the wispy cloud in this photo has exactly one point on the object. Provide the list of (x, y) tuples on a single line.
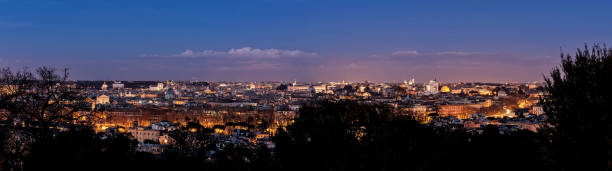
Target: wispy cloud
[(247, 52), (404, 52), (400, 53), (191, 53), (462, 53), (351, 66), (255, 63)]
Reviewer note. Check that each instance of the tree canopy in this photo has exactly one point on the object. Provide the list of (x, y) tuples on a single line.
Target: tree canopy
[(578, 106)]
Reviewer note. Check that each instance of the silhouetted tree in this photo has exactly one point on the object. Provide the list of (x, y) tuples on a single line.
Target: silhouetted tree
[(80, 148), (354, 136), (39, 100), (578, 107), (282, 87), (34, 105)]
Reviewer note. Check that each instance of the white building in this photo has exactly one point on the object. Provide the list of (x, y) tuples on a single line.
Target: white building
[(118, 85), (104, 86), (163, 126), (431, 87), (298, 88), (159, 87)]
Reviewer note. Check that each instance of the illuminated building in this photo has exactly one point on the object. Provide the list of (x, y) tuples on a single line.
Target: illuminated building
[(524, 103), (487, 103), (532, 86), (419, 109), (262, 135), (208, 91), (537, 110), (159, 87), (179, 102), (445, 89), (501, 93), (458, 110), (298, 88), (251, 86), (142, 134), (104, 86), (320, 89), (456, 91), (364, 94), (484, 92), (165, 139), (102, 99), (362, 89), (431, 87), (118, 85), (147, 95)]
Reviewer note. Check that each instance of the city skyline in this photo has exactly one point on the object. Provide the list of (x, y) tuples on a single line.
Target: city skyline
[(305, 85), (299, 40)]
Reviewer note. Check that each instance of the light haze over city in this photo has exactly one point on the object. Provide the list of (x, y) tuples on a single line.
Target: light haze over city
[(299, 39)]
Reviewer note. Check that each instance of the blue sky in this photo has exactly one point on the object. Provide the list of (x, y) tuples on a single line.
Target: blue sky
[(299, 39)]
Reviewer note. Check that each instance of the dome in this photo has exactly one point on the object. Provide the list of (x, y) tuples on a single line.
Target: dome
[(445, 89)]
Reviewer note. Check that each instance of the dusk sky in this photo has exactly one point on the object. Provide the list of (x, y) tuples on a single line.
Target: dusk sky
[(306, 40)]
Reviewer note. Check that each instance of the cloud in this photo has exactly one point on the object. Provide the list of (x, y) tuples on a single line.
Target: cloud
[(246, 52), (404, 52), (352, 66), (442, 53), (460, 53), (275, 64), (191, 53)]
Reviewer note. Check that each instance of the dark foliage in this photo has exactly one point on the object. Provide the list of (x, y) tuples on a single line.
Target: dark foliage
[(282, 87), (352, 136), (80, 148), (33, 106), (578, 106)]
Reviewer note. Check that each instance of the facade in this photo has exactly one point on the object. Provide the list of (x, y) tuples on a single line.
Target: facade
[(298, 88), (431, 87), (102, 99), (537, 110), (159, 87), (456, 110), (142, 134), (165, 139), (104, 86), (118, 85)]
